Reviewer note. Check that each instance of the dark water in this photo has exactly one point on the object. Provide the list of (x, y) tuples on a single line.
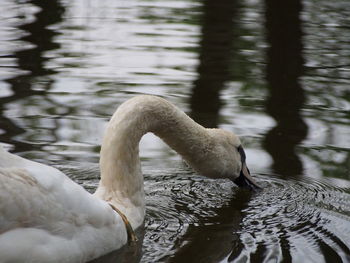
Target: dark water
[(277, 73)]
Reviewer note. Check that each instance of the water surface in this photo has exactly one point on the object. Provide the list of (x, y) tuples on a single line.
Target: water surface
[(277, 74)]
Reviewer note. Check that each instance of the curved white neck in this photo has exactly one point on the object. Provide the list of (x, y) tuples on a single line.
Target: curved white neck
[(121, 178)]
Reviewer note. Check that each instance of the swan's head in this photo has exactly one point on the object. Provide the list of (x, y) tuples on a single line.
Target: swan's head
[(226, 159)]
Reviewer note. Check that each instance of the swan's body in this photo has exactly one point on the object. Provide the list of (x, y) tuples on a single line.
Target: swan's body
[(46, 217)]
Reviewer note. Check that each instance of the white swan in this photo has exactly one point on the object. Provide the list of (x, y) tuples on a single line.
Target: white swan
[(46, 217)]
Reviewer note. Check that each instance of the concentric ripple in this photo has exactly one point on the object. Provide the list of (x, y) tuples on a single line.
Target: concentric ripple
[(192, 218), (294, 220), (299, 220), (176, 202)]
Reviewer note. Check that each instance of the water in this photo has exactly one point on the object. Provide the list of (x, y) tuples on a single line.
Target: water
[(276, 74)]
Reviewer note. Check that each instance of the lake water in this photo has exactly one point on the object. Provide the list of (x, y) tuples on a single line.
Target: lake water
[(276, 73)]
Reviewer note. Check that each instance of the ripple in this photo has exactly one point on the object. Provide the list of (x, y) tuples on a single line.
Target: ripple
[(176, 202), (301, 219)]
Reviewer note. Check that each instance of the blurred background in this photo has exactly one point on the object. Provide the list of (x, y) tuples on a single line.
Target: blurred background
[(277, 73)]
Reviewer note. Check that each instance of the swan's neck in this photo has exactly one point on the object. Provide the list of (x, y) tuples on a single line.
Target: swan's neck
[(121, 178)]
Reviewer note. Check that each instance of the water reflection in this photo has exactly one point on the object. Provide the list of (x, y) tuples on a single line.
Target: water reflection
[(286, 95), (293, 221), (109, 51), (217, 238), (212, 241), (31, 61), (215, 58)]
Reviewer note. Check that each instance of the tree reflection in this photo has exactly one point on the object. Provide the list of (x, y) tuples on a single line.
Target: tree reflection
[(213, 241), (31, 61), (214, 60), (217, 238), (286, 97)]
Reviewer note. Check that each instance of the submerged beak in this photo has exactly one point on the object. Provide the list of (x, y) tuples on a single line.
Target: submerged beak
[(245, 180)]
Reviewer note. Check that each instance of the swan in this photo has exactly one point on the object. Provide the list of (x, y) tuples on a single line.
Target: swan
[(46, 217)]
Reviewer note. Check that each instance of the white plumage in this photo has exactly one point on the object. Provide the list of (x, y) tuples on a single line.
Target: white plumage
[(46, 217)]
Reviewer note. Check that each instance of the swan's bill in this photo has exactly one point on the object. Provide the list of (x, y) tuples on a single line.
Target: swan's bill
[(245, 180)]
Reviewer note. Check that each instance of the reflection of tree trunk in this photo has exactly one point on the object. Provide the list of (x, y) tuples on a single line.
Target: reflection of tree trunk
[(216, 239), (32, 61), (284, 68), (40, 36), (214, 59)]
